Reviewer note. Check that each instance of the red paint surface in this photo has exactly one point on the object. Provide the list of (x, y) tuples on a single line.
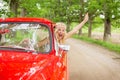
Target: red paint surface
[(15, 65)]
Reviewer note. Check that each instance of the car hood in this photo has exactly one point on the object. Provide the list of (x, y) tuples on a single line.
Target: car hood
[(26, 66)]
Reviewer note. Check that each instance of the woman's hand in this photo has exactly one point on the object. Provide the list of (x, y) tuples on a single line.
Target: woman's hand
[(86, 17)]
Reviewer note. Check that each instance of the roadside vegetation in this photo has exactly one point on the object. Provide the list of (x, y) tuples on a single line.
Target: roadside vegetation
[(106, 44)]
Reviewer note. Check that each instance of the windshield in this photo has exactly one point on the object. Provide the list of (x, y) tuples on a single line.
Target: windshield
[(25, 36)]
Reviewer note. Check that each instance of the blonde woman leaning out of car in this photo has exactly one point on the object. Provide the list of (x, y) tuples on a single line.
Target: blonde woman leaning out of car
[(60, 30)]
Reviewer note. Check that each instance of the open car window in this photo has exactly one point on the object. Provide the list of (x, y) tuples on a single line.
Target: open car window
[(25, 37)]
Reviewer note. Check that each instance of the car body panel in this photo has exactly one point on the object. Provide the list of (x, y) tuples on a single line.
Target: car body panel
[(21, 65)]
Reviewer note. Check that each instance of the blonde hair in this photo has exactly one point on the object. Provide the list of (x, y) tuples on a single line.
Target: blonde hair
[(59, 25)]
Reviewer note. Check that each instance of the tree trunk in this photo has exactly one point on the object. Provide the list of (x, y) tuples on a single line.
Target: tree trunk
[(14, 7), (107, 29), (81, 17), (90, 28), (68, 24), (23, 12), (68, 18), (80, 31), (107, 22)]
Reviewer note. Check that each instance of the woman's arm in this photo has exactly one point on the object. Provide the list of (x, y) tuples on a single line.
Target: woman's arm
[(79, 26), (43, 42)]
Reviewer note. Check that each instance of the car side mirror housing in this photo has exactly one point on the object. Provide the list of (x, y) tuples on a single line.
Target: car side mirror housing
[(65, 47)]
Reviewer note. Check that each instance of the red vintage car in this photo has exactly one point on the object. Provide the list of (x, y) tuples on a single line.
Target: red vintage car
[(29, 50)]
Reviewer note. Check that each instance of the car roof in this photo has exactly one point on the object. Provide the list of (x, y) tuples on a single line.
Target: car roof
[(30, 19)]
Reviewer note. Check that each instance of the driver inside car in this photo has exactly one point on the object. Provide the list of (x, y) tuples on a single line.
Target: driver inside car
[(26, 43)]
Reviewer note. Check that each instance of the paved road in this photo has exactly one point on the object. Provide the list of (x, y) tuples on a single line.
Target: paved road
[(91, 62)]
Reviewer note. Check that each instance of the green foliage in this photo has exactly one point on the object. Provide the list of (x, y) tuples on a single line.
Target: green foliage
[(110, 8), (32, 9), (3, 9), (69, 11), (93, 6)]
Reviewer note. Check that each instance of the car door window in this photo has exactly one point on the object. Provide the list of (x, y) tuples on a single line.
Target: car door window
[(28, 36)]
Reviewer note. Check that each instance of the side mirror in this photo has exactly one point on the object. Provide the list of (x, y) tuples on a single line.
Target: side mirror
[(65, 47)]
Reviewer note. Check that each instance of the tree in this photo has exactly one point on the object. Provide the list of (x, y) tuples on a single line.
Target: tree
[(93, 10), (3, 9), (13, 6), (109, 9), (21, 8)]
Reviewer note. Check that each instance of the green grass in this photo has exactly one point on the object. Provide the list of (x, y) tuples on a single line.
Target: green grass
[(108, 45)]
